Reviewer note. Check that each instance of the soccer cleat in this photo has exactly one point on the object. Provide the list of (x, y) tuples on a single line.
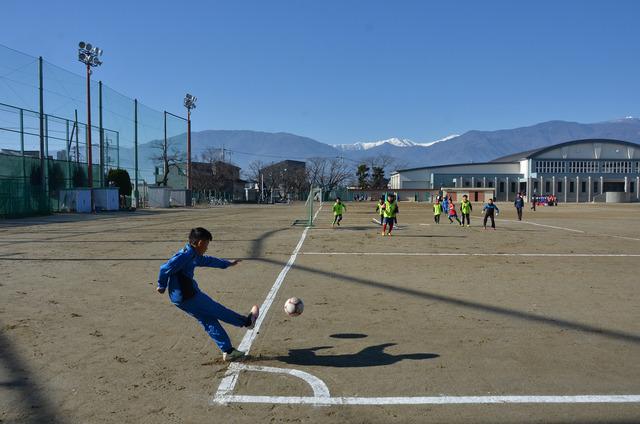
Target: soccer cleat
[(468, 225), (253, 316), (234, 355)]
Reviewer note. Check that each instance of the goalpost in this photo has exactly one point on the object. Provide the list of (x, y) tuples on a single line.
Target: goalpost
[(314, 198)]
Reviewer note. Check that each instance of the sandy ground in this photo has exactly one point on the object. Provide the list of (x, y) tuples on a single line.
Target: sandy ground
[(84, 337)]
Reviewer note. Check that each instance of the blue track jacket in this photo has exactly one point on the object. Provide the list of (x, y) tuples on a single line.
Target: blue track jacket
[(182, 265)]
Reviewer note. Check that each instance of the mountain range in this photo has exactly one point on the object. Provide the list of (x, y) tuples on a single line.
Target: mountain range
[(243, 147)]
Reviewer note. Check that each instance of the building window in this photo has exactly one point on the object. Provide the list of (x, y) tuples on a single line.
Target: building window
[(572, 187), (501, 186), (583, 187), (632, 187), (559, 186), (491, 184), (595, 186), (513, 187), (583, 167), (478, 183), (616, 167), (547, 187), (549, 166), (467, 184)]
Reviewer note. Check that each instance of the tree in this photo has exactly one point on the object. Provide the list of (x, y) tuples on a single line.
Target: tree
[(327, 173), (363, 176), (120, 178), (377, 177), (168, 155)]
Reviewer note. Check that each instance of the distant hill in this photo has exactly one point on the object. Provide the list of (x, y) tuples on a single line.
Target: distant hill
[(242, 146)]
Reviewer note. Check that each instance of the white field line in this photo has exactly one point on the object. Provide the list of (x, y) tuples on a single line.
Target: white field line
[(541, 225), (428, 400), (560, 255), (571, 229), (230, 379)]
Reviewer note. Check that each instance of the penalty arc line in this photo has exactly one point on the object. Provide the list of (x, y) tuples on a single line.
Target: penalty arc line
[(230, 379)]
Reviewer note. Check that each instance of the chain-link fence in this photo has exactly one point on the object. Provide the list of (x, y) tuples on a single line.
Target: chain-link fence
[(44, 137)]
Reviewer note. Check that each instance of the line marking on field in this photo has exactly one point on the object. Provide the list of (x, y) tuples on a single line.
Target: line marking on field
[(426, 400), (230, 379), (543, 225), (561, 255), (571, 229)]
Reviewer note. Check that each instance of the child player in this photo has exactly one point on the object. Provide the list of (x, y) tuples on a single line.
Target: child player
[(437, 211), (390, 210), (380, 209), (453, 214), (490, 210), (465, 209), (338, 209), (177, 275)]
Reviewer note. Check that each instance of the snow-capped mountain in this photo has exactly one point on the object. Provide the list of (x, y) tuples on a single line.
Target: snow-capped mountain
[(398, 142)]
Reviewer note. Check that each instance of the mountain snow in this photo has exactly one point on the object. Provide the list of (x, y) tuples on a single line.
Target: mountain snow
[(398, 142)]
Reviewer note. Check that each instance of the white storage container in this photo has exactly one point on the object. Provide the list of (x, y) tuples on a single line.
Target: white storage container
[(76, 200), (106, 199)]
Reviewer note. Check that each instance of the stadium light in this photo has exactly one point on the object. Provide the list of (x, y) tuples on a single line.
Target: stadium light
[(90, 56), (189, 103)]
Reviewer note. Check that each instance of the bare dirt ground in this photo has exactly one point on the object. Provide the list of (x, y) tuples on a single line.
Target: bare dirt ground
[(540, 307)]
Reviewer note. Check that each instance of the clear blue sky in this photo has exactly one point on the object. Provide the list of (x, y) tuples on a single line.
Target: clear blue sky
[(345, 71)]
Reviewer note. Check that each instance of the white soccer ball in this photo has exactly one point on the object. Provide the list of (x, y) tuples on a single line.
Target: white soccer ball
[(293, 307)]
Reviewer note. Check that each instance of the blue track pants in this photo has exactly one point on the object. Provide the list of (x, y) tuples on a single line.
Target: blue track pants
[(208, 312)]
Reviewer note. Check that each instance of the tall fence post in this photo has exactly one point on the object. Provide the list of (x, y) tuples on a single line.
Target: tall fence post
[(165, 148), (135, 142), (77, 140), (102, 169), (24, 171), (41, 106)]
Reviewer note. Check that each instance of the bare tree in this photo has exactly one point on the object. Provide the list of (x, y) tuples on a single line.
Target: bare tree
[(327, 173), (168, 155)]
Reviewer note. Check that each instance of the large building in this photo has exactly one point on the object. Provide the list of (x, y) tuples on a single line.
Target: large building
[(575, 171)]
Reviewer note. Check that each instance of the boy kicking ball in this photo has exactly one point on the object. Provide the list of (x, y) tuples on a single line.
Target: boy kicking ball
[(177, 275)]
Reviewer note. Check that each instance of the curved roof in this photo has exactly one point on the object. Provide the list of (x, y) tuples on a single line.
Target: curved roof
[(532, 153)]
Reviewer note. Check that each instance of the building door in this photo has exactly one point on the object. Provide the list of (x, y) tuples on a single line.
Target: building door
[(613, 186), (475, 197)]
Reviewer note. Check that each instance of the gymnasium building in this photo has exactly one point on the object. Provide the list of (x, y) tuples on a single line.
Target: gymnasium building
[(593, 170)]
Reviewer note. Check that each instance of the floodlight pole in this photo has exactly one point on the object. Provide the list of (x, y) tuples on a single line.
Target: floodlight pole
[(189, 148), (89, 171)]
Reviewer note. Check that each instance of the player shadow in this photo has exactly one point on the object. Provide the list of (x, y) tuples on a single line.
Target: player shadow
[(372, 356), (348, 336), (424, 235), (32, 406), (471, 305)]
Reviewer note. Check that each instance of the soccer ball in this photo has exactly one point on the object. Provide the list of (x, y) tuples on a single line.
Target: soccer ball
[(293, 307)]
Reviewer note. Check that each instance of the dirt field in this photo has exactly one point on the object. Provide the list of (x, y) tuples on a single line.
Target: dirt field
[(545, 307)]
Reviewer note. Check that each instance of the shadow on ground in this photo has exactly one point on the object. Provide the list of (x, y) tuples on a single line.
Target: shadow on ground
[(18, 383), (372, 356)]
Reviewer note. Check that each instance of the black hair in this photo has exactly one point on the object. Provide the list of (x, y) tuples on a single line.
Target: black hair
[(337, 198), (199, 233)]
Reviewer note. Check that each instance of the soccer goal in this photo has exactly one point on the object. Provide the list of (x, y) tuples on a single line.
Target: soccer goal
[(314, 200)]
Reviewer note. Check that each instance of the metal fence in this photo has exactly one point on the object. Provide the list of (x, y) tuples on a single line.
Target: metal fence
[(44, 136)]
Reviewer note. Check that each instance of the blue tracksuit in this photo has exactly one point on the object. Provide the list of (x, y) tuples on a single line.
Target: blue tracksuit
[(177, 274)]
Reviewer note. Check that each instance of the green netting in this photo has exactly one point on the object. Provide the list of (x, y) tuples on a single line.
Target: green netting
[(24, 191), (314, 200), (123, 136)]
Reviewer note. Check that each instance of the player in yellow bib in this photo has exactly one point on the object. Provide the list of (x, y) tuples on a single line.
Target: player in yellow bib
[(390, 210), (437, 211), (466, 208), (338, 209)]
